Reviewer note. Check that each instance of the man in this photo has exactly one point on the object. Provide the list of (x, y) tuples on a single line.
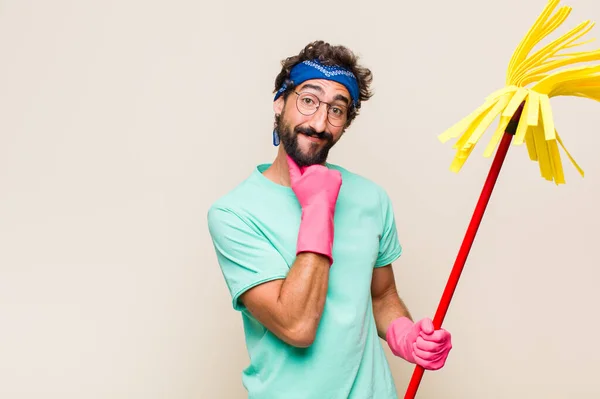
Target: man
[(306, 249)]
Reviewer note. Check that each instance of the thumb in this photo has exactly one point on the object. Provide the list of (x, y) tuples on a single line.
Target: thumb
[(295, 172), (427, 326)]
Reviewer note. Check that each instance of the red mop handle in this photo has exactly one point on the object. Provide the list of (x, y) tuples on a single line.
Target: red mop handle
[(465, 248)]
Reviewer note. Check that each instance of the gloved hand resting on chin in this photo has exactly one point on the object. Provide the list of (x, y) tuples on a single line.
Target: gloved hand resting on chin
[(419, 343), (317, 188)]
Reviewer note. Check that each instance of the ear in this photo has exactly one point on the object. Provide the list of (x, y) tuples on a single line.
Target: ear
[(278, 105)]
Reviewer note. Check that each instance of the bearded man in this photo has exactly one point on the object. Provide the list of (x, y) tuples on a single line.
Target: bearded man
[(306, 250)]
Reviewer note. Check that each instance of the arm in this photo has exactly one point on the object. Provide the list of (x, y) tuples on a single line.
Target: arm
[(291, 308), (288, 299), (387, 305), (418, 343)]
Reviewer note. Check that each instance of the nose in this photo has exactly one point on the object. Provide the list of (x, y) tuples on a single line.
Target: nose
[(319, 119)]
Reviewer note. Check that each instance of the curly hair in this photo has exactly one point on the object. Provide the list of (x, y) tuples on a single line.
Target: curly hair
[(329, 55)]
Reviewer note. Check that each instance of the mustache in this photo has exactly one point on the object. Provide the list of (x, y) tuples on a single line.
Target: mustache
[(307, 131)]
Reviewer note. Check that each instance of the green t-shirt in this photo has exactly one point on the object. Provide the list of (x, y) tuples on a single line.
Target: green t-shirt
[(254, 228)]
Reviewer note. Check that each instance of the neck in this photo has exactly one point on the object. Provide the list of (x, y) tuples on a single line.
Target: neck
[(279, 172)]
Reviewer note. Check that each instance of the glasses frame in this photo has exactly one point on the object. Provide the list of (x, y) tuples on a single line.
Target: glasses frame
[(319, 102)]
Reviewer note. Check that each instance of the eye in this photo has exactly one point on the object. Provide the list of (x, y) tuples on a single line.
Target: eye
[(337, 111), (308, 101)]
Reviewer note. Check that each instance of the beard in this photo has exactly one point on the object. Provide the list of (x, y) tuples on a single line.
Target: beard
[(317, 153)]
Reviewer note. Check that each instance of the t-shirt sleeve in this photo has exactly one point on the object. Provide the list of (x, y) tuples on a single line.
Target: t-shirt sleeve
[(245, 256), (389, 244)]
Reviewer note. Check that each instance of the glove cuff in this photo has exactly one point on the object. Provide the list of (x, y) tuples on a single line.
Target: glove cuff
[(316, 231), (396, 335)]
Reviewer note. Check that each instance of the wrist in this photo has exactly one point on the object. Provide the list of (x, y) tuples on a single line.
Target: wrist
[(318, 212), (316, 231), (396, 338)]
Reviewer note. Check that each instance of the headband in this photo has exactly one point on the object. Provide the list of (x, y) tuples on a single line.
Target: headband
[(313, 69)]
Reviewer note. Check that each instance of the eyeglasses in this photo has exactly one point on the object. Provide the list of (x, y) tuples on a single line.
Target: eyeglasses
[(308, 103)]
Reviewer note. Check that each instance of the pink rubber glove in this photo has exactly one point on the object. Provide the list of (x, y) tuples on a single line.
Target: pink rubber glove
[(317, 189), (418, 343)]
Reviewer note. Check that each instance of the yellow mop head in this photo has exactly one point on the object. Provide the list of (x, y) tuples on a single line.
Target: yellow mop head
[(532, 80)]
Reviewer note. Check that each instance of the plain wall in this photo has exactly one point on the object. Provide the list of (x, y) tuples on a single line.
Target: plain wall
[(122, 121)]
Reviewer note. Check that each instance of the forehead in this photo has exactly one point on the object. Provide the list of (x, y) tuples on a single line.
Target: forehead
[(326, 87)]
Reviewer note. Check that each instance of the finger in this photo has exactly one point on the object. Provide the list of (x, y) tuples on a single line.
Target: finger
[(428, 364), (338, 178), (431, 356), (427, 361), (436, 336), (426, 326), (295, 171), (315, 169), (429, 346)]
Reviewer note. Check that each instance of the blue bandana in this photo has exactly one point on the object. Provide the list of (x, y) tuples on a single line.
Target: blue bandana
[(313, 69)]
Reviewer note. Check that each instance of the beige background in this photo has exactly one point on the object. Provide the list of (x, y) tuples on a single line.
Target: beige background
[(122, 121)]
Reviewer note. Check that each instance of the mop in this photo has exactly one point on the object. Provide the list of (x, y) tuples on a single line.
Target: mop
[(525, 117)]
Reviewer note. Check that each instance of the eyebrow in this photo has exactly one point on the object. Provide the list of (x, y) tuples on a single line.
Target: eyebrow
[(338, 97)]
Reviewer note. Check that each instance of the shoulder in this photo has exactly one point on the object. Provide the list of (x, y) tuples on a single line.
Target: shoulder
[(249, 188), (359, 183), (230, 204)]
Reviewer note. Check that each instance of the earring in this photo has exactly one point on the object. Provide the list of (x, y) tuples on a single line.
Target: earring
[(275, 138)]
